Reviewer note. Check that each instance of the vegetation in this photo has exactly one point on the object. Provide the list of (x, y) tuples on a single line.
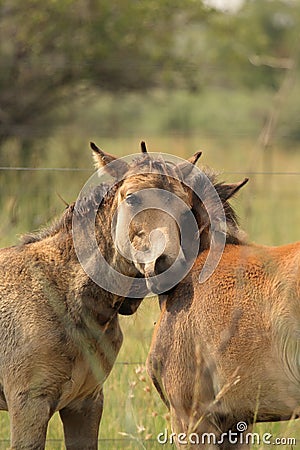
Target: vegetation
[(55, 53), (180, 75), (133, 413)]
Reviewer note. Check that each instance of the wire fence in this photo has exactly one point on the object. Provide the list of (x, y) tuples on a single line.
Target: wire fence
[(50, 169), (78, 169), (121, 442)]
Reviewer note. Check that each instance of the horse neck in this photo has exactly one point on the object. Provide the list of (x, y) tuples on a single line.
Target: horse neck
[(67, 285), (233, 236), (62, 260)]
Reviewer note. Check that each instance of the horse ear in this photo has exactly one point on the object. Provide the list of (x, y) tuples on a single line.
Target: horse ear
[(103, 160), (143, 147), (186, 167), (193, 159), (226, 191)]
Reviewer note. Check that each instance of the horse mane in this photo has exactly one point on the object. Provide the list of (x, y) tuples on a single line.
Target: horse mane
[(234, 234), (57, 225), (84, 205)]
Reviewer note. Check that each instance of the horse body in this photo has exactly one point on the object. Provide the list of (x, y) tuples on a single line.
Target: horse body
[(228, 350), (59, 330), (53, 355)]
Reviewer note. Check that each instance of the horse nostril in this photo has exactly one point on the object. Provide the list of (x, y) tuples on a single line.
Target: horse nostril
[(161, 264)]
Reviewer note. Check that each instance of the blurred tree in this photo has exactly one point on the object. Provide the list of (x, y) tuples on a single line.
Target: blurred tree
[(263, 33), (51, 50)]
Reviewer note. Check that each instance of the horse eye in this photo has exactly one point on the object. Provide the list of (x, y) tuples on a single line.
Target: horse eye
[(133, 200)]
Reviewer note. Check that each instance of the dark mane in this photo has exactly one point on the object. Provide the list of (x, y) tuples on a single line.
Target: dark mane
[(234, 235), (83, 206), (96, 197), (56, 226)]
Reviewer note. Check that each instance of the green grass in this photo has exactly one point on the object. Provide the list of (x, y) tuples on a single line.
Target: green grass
[(268, 208), (133, 412)]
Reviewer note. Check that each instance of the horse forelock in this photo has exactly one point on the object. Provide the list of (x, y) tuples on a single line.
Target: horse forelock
[(146, 172), (146, 164)]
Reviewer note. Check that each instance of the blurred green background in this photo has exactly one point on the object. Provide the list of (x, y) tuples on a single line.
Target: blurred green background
[(182, 76)]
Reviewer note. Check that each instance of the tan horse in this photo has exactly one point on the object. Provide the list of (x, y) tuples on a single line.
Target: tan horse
[(226, 352), (59, 330)]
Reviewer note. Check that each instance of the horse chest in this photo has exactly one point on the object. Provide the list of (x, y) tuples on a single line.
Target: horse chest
[(91, 367), (81, 383)]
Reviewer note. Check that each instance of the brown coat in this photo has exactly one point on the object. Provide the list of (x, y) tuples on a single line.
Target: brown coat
[(228, 350), (59, 330)]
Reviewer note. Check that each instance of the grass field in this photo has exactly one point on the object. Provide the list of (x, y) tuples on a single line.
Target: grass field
[(269, 211)]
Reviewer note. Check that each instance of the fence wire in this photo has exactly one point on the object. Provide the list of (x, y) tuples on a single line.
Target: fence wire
[(122, 442), (78, 169)]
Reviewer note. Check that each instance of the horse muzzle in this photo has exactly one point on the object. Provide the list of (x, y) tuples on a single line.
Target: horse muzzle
[(162, 275)]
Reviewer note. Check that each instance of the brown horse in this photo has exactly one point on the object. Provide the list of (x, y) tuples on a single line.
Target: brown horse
[(226, 352), (59, 328)]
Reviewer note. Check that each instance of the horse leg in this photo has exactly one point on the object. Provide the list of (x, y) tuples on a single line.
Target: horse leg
[(29, 416), (81, 422)]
